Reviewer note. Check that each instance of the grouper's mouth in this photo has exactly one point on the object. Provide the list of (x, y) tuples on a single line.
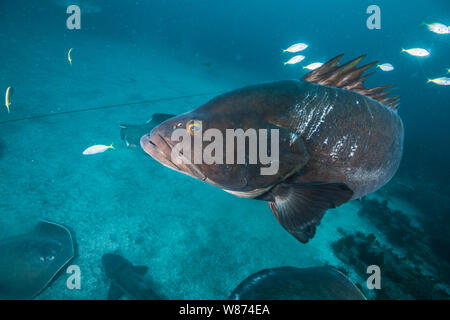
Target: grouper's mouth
[(160, 149)]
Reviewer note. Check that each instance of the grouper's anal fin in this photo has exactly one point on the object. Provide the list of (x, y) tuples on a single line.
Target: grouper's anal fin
[(299, 207)]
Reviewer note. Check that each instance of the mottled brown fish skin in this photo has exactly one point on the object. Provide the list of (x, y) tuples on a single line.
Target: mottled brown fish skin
[(350, 138)]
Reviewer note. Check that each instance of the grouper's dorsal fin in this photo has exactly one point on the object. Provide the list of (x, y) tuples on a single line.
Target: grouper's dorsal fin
[(349, 76)]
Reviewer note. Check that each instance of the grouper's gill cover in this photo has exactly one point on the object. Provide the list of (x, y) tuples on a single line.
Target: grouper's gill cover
[(338, 141)]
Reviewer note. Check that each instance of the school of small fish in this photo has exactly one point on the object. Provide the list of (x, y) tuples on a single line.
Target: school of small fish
[(436, 27), (95, 149)]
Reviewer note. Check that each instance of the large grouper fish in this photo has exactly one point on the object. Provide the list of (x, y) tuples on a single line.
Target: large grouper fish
[(338, 141)]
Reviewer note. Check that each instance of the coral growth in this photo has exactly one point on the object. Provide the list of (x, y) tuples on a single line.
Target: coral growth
[(400, 278), (413, 258)]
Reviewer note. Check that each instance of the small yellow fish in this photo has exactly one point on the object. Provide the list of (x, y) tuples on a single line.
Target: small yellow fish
[(418, 52), (313, 66), (438, 28), (69, 57), (98, 148), (295, 59), (443, 81), (448, 70), (386, 67), (296, 47), (8, 96)]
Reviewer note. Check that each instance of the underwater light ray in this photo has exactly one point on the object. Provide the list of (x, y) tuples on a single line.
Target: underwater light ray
[(422, 69), (46, 115)]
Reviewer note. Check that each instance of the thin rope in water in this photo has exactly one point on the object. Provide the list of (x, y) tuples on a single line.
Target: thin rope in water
[(423, 70), (46, 115)]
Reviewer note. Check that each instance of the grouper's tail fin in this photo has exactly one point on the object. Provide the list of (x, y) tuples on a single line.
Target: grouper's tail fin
[(349, 76)]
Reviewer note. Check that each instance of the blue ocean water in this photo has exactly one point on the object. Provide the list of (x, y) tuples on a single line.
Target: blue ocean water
[(131, 59)]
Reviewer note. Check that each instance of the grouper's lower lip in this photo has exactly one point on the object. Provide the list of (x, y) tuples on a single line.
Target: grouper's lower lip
[(151, 148), (160, 150)]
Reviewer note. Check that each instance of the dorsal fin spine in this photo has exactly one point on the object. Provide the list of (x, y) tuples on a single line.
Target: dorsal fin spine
[(350, 77)]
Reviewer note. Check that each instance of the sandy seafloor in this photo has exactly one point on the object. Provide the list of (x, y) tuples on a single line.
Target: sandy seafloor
[(198, 241)]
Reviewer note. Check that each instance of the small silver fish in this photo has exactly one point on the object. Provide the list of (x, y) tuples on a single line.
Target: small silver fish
[(443, 81), (313, 66), (69, 56), (386, 67), (8, 95), (438, 28), (296, 48), (98, 148), (418, 52), (295, 59)]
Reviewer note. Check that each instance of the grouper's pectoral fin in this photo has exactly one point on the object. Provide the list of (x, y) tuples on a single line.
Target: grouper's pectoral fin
[(299, 207), (114, 292), (290, 157)]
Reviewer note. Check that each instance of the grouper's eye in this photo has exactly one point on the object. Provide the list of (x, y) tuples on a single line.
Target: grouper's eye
[(193, 127)]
